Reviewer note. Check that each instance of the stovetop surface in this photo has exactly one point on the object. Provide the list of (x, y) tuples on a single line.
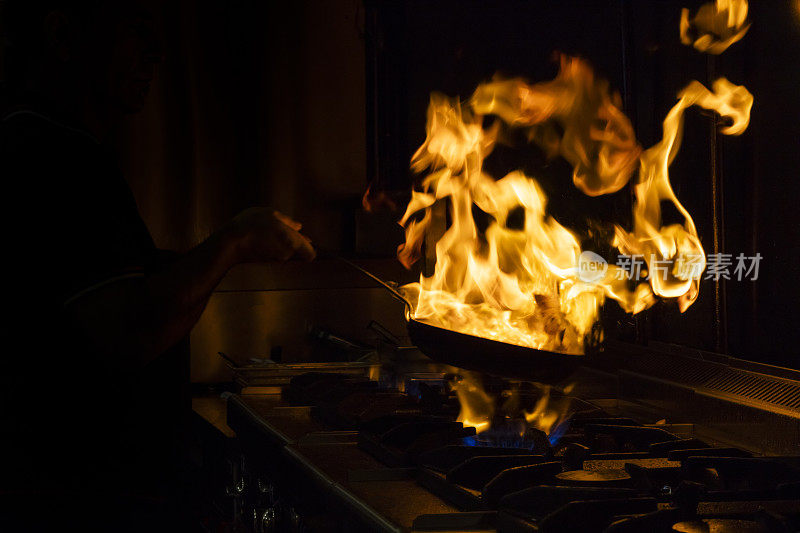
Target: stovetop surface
[(334, 457), (392, 451)]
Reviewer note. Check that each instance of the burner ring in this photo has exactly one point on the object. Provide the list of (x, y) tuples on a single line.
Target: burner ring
[(594, 477), (719, 525)]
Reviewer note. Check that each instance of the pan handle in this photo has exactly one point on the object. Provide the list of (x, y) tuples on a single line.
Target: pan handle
[(397, 294)]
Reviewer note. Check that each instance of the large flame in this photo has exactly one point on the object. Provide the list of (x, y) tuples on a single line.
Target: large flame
[(549, 412), (479, 409), (523, 285), (477, 406), (574, 116), (715, 26), (668, 249)]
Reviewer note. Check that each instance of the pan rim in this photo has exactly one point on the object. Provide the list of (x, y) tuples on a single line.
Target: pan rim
[(511, 347)]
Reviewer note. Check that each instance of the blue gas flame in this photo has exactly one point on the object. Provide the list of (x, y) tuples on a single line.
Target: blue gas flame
[(558, 432)]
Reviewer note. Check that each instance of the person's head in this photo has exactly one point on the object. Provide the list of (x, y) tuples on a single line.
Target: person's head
[(91, 50)]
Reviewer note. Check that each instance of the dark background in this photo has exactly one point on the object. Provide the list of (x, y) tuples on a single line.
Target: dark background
[(256, 103), (300, 104), (452, 46)]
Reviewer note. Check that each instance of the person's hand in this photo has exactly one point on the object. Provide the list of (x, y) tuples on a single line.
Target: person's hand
[(261, 234)]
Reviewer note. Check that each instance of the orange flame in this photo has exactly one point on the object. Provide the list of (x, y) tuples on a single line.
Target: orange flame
[(595, 136), (549, 412), (373, 202), (716, 25), (479, 408), (668, 249), (525, 286)]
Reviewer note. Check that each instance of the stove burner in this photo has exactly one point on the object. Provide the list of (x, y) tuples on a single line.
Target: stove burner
[(595, 472), (594, 477), (720, 525), (499, 437)]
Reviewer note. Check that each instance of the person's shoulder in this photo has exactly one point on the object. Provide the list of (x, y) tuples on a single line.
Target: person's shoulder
[(35, 148), (28, 124), (38, 140)]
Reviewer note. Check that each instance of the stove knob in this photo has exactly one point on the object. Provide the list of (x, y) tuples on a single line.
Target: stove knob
[(265, 520), (267, 490), (237, 486), (236, 490), (295, 521)]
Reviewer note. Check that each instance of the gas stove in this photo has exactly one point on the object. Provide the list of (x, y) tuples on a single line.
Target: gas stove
[(376, 446)]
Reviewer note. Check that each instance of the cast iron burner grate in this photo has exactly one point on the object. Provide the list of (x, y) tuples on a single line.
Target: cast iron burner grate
[(595, 473)]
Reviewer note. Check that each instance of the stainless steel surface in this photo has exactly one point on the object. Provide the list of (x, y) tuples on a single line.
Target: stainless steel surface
[(277, 374), (664, 389), (732, 401), (330, 462), (376, 520), (259, 307), (252, 323)]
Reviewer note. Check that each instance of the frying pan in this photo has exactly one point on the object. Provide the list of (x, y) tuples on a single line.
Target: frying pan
[(481, 354)]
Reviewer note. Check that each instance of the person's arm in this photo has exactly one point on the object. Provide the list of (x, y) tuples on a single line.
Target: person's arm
[(135, 320)]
